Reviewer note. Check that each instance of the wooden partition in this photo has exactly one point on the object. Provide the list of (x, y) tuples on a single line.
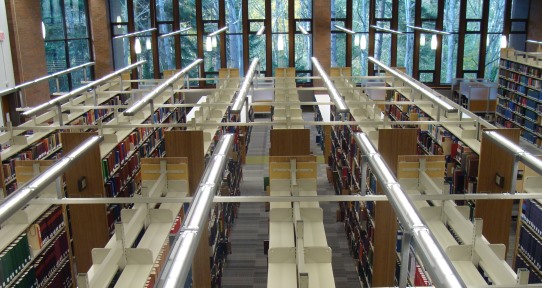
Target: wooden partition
[(290, 142), (89, 221), (496, 214), (392, 143), (189, 144)]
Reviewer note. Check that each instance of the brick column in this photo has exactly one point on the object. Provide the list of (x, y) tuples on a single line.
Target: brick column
[(100, 30), (321, 34), (28, 48)]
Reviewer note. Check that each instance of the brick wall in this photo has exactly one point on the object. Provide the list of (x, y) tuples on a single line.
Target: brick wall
[(101, 37)]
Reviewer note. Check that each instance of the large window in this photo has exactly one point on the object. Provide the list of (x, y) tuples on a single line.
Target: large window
[(338, 37), (303, 42), (279, 28), (66, 41), (360, 25)]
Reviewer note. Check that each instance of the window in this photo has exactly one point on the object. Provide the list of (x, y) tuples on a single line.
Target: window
[(338, 37), (234, 35), (66, 42), (360, 25), (256, 43), (303, 43), (279, 31)]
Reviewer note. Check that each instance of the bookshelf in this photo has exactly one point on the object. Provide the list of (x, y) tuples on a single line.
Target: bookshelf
[(322, 113), (520, 94), (476, 95), (34, 246)]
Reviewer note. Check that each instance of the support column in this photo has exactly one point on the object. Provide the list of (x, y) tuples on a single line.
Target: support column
[(321, 35), (100, 31), (28, 49)]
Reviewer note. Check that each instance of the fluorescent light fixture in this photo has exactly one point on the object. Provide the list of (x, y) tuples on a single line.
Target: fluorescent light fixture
[(43, 31), (83, 89), (280, 43), (422, 39), (437, 100), (38, 80), (137, 106), (363, 42), (260, 31), (181, 256), (148, 44), (137, 46), (303, 31), (345, 30), (18, 199), (434, 42), (504, 41), (214, 41), (209, 44), (356, 40), (378, 28), (242, 94), (337, 99), (119, 19), (175, 32), (221, 30), (427, 30), (134, 33)]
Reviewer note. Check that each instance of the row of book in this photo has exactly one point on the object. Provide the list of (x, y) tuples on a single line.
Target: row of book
[(534, 275), (531, 213), (14, 259), (124, 175), (45, 228), (158, 265), (531, 246), (521, 68), (513, 86), (50, 260), (522, 79)]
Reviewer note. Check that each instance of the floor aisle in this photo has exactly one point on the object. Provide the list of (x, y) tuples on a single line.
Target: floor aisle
[(247, 265)]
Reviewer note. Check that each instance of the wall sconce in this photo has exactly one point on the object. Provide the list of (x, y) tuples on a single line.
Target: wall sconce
[(280, 43), (422, 40), (137, 46), (434, 42), (363, 42)]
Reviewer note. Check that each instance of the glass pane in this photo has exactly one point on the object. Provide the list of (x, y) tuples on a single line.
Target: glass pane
[(517, 41), (338, 9), (473, 26), (474, 9), (305, 24), (55, 53), (383, 9), (429, 24), (256, 48), (164, 10), (234, 52), (519, 26), (493, 51), (210, 9), (188, 55), (210, 27), (427, 54), (451, 15), (339, 23), (360, 15), (121, 51), (470, 75), (256, 9), (338, 49), (255, 26), (426, 77), (279, 14), (62, 86), (303, 52), (120, 29), (147, 71), (166, 48), (405, 51), (142, 14), (234, 16), (496, 16), (520, 9), (472, 51), (51, 13), (406, 14), (118, 11), (188, 14), (79, 54), (280, 57), (449, 58), (383, 47), (76, 19), (303, 9), (211, 58), (359, 58), (429, 9)]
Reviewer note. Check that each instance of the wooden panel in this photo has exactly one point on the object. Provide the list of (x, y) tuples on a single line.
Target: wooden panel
[(495, 213), (24, 169), (189, 144), (391, 144), (176, 167), (281, 170), (290, 142), (89, 222)]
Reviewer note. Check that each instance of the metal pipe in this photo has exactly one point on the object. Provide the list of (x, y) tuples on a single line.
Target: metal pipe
[(528, 159), (345, 30), (340, 105), (434, 259), (179, 261), (427, 30), (175, 32), (80, 90), (223, 29), (136, 107), (242, 94), (38, 80), (134, 33), (18, 199), (386, 29)]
